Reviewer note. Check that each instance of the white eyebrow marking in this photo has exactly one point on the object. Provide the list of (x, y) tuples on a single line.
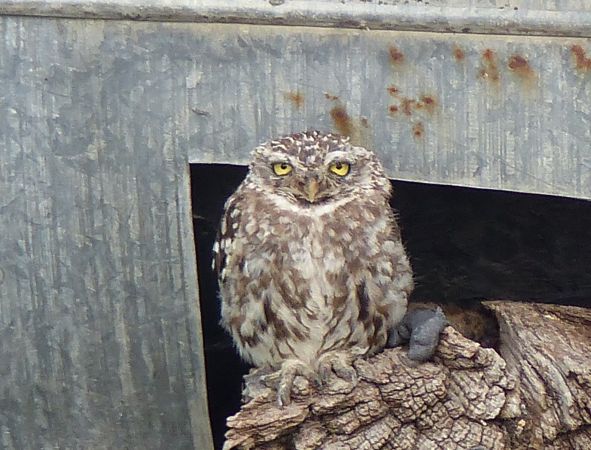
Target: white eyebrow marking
[(336, 156)]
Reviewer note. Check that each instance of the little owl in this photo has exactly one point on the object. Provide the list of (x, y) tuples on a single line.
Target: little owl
[(311, 267)]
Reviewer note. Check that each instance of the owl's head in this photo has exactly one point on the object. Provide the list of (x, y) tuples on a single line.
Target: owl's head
[(316, 168)]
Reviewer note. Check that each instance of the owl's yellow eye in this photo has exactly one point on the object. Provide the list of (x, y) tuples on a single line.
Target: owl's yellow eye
[(340, 168), (281, 169)]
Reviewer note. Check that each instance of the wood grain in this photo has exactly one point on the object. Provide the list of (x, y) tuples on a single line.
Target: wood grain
[(536, 395)]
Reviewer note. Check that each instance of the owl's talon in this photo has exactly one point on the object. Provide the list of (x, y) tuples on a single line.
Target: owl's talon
[(339, 363), (346, 373), (289, 370), (324, 374), (284, 391), (270, 380)]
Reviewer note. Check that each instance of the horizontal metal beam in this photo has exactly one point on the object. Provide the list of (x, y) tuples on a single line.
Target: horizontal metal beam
[(407, 17), (496, 112)]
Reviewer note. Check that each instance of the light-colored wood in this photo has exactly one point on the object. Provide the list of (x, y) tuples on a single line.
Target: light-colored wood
[(548, 351), (537, 396)]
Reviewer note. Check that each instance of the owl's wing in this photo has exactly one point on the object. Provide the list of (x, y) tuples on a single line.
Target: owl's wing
[(225, 235)]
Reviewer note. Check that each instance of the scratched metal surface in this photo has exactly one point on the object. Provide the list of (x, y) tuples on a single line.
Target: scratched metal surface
[(100, 342), (523, 17), (545, 5), (485, 111), (99, 323), (488, 111)]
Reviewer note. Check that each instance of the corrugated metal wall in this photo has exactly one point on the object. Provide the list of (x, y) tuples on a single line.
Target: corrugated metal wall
[(503, 111), (100, 340)]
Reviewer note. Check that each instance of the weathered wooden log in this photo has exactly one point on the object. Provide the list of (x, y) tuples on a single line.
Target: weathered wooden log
[(535, 394), (547, 349)]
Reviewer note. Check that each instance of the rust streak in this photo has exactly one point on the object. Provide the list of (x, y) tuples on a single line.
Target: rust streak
[(489, 70), (488, 54), (430, 103), (418, 130), (582, 62), (393, 90), (396, 56), (342, 120), (295, 97), (459, 54), (392, 109), (407, 105), (331, 97), (519, 65)]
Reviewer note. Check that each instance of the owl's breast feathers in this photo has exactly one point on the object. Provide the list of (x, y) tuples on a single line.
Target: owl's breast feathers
[(296, 282)]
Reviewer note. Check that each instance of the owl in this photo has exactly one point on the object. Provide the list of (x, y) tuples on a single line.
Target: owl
[(311, 267)]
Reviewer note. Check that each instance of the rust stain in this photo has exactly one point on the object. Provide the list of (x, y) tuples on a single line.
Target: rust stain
[(582, 62), (407, 105), (490, 69), (295, 97), (341, 120), (331, 97), (393, 90), (357, 128), (430, 103), (459, 54), (418, 130), (396, 56), (519, 65)]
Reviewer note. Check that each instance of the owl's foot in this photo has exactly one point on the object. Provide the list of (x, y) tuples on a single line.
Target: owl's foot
[(421, 327), (284, 378), (340, 363)]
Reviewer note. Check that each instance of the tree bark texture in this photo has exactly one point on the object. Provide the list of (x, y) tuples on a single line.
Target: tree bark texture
[(534, 394)]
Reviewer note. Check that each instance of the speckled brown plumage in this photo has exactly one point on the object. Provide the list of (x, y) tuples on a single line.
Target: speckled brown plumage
[(308, 272)]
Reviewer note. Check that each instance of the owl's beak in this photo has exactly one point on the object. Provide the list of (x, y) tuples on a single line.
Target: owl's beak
[(312, 189)]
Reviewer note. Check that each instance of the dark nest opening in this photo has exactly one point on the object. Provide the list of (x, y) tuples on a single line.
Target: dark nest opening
[(466, 245)]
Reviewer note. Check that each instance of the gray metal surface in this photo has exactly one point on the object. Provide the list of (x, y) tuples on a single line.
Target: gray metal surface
[(541, 17), (100, 342), (485, 111)]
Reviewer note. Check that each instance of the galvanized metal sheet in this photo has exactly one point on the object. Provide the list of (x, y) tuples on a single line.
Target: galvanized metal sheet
[(500, 112), (99, 332), (100, 341), (541, 17), (99, 338)]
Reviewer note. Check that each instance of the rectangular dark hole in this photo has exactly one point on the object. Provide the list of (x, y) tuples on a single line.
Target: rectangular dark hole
[(466, 245)]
